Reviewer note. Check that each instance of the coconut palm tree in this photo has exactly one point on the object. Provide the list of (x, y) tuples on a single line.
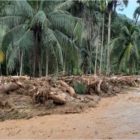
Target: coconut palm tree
[(36, 27), (102, 5), (137, 12), (111, 7), (125, 48)]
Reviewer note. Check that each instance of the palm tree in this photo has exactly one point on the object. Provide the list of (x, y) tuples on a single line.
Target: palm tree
[(89, 52), (36, 27), (137, 12), (125, 49), (111, 7), (102, 5), (91, 39)]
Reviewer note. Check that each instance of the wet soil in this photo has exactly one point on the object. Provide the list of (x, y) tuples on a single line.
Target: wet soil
[(116, 117)]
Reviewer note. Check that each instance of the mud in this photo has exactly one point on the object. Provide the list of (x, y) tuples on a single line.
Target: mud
[(114, 117), (16, 106), (22, 97)]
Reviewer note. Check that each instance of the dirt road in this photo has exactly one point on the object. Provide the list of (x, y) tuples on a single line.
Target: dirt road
[(114, 118)]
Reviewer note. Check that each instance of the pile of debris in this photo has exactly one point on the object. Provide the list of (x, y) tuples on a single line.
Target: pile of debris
[(25, 97), (62, 89), (102, 86), (40, 89)]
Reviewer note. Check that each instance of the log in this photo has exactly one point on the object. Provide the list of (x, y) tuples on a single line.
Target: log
[(99, 86), (68, 88), (20, 77), (41, 96), (58, 97), (5, 88)]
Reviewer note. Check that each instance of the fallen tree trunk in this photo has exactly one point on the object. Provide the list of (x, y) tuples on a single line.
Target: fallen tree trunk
[(6, 88), (55, 94), (67, 88), (99, 86), (58, 98)]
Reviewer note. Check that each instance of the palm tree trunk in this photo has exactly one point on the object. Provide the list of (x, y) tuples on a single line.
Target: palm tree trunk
[(108, 48), (0, 70), (40, 63), (96, 57), (34, 63), (90, 64), (30, 64), (90, 46), (102, 43), (21, 63), (137, 19), (64, 68), (40, 68), (6, 64), (95, 68), (47, 62)]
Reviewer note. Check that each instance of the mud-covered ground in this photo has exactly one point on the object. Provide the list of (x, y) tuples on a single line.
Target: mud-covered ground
[(22, 97), (21, 106), (116, 117)]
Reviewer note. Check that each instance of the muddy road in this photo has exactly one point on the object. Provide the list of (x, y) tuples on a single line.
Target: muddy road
[(114, 118)]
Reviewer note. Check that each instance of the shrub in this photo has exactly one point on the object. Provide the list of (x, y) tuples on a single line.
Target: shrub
[(80, 88)]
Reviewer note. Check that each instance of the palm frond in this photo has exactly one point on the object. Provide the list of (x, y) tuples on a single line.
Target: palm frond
[(125, 2), (64, 5), (62, 21), (11, 20), (19, 8), (50, 38), (102, 4), (24, 8), (136, 12), (2, 56), (125, 31), (48, 5), (136, 50), (11, 56), (26, 41), (78, 30), (13, 35), (39, 18), (63, 39)]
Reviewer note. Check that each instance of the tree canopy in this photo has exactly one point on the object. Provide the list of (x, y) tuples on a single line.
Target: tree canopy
[(68, 37)]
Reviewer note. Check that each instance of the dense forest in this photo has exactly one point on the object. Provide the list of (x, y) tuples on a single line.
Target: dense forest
[(68, 37)]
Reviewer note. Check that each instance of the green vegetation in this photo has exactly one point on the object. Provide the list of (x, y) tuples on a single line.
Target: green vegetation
[(69, 37), (80, 88)]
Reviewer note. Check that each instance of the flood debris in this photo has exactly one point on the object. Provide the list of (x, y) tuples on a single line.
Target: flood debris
[(25, 97)]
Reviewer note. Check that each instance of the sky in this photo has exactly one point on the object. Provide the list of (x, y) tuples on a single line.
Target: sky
[(129, 10)]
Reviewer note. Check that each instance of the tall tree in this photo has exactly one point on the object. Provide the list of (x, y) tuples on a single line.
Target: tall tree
[(102, 5), (111, 7), (137, 12), (125, 48), (38, 25)]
